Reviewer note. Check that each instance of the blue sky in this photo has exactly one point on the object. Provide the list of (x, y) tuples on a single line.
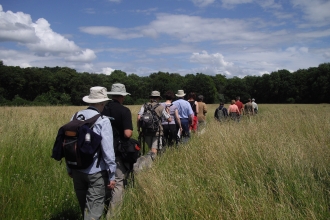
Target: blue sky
[(230, 37)]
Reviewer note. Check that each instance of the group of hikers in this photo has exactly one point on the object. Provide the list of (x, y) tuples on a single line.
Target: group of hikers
[(235, 110), (100, 187)]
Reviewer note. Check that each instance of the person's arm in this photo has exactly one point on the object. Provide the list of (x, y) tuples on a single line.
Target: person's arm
[(127, 123), (138, 119), (197, 110), (178, 119), (108, 153), (166, 114)]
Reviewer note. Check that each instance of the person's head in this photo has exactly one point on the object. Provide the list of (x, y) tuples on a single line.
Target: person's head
[(155, 95), (97, 97), (238, 98), (180, 94), (232, 101), (249, 100), (118, 92), (221, 104), (200, 98), (192, 96), (253, 99), (169, 95)]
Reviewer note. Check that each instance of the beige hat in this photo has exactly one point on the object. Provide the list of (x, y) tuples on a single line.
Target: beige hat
[(155, 94), (118, 89), (97, 94), (180, 93)]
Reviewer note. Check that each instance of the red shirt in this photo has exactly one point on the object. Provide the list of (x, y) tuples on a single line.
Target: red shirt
[(239, 104)]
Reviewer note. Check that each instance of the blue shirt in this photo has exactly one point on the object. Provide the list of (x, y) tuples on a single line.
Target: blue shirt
[(184, 108), (102, 127)]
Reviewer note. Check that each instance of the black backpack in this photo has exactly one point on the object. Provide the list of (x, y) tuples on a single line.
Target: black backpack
[(128, 149), (77, 143), (149, 120)]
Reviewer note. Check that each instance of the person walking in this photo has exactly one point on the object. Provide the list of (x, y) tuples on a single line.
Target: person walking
[(154, 139), (194, 105), (239, 105), (186, 114), (221, 113), (248, 108), (90, 184), (201, 115), (233, 111), (121, 121), (171, 128)]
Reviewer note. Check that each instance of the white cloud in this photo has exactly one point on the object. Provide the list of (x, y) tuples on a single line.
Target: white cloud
[(40, 40), (107, 70), (216, 59), (315, 11), (82, 56), (111, 32), (203, 3), (16, 27), (49, 41)]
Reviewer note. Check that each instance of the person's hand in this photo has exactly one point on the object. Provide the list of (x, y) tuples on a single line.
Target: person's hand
[(111, 184)]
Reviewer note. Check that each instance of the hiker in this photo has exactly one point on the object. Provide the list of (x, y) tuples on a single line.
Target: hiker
[(221, 113), (194, 105), (122, 127), (255, 106), (171, 128), (90, 184), (153, 139), (239, 105), (201, 115), (186, 114), (248, 108), (233, 111)]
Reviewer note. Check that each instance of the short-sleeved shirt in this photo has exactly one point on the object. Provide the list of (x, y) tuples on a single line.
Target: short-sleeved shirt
[(239, 104), (122, 116), (173, 108), (184, 108), (248, 107)]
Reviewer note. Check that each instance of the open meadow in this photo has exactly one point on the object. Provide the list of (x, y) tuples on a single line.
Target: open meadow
[(275, 165)]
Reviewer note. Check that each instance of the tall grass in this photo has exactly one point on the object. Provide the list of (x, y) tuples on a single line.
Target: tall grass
[(271, 166)]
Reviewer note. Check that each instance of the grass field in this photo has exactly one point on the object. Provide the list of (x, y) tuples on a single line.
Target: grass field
[(272, 166)]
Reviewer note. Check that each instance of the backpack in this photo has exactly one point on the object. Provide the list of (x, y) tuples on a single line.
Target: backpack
[(77, 143), (149, 120), (220, 114), (127, 149)]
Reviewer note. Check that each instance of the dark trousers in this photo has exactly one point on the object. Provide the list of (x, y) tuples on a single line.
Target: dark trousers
[(170, 134)]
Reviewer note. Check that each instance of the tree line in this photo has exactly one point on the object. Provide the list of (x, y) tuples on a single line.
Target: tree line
[(65, 86)]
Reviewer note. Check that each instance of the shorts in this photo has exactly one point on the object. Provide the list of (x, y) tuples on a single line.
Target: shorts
[(153, 143)]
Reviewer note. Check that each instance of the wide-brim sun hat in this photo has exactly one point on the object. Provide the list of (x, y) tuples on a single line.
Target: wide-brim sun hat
[(118, 89), (97, 94), (180, 93), (155, 94)]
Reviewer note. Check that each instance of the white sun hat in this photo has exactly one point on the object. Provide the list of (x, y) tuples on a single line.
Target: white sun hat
[(118, 89), (97, 94)]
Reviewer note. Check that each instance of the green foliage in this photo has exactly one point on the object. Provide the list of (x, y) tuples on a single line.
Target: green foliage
[(64, 86)]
